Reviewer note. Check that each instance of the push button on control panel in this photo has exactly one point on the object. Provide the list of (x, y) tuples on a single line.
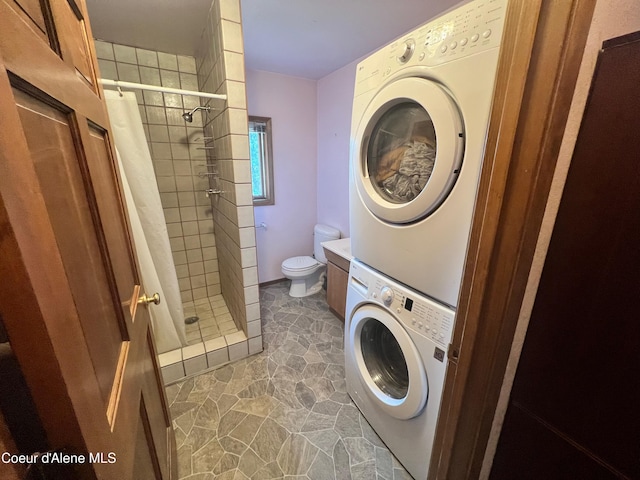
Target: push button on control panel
[(475, 37)]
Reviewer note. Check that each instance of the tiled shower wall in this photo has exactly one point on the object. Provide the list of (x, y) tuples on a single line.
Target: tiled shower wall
[(220, 69), (178, 157)]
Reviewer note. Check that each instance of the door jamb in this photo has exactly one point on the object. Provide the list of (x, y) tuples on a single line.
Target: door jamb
[(541, 54)]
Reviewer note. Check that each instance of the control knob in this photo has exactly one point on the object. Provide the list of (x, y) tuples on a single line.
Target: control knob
[(386, 294), (408, 48)]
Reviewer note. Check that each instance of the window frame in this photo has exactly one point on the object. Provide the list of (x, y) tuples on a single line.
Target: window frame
[(266, 163)]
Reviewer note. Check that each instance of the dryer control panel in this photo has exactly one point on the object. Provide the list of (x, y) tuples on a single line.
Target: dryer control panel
[(467, 30), (414, 310)]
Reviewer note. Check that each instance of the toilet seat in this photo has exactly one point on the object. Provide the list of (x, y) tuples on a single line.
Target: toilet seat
[(300, 264)]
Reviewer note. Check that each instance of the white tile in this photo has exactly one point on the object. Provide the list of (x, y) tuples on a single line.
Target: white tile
[(248, 257), (150, 75), (253, 312), (127, 72), (245, 216), (104, 50), (168, 61), (238, 351), (250, 277), (169, 78), (108, 69), (247, 237), (251, 294), (186, 64), (217, 357), (200, 293), (255, 345), (230, 9), (180, 258), (215, 344), (236, 94), (232, 36), (241, 171), (188, 81), (240, 147), (193, 351), (254, 329), (244, 195), (148, 58), (238, 121), (172, 373), (171, 357), (235, 338), (125, 54), (195, 365), (234, 66)]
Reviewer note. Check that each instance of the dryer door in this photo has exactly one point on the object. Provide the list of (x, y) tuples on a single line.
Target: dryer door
[(388, 362), (408, 150)]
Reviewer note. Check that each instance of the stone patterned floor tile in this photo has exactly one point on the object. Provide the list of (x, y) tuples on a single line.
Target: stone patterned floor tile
[(283, 413)]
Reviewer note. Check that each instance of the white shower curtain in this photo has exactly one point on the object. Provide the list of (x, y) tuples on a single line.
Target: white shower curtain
[(147, 220)]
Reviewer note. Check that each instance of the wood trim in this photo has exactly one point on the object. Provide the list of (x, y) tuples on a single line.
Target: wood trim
[(9, 471), (542, 50)]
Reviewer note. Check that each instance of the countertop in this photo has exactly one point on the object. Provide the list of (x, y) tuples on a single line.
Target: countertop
[(341, 247)]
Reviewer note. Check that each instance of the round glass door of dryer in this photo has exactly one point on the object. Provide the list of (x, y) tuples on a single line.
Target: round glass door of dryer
[(401, 152), (408, 151)]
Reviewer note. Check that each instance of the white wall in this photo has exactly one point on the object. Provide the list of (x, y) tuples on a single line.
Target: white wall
[(611, 18), (335, 100), (290, 102)]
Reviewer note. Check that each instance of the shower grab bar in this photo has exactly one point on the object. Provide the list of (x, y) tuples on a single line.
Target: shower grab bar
[(155, 88), (206, 174)]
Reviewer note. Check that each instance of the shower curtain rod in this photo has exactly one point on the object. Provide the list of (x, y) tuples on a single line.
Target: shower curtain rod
[(142, 86)]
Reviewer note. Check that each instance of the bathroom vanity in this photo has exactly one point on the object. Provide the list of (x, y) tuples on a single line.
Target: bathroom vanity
[(338, 253)]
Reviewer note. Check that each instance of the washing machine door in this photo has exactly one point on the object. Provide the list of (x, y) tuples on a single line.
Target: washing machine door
[(388, 362), (408, 150)]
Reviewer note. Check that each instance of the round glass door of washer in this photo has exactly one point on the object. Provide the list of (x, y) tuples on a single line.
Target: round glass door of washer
[(388, 362)]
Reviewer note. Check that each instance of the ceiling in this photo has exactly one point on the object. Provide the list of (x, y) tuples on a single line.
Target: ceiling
[(302, 38)]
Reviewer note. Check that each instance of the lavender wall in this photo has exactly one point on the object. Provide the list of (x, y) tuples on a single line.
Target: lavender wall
[(335, 99), (290, 102)]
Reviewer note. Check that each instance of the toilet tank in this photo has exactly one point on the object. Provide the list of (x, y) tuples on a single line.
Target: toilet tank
[(323, 233)]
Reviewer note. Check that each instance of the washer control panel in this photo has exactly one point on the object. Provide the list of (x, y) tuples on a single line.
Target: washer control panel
[(415, 311)]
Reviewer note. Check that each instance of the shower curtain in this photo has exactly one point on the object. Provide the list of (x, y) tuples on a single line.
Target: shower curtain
[(148, 226)]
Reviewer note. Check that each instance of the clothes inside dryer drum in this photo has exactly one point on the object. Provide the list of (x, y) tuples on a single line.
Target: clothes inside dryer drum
[(402, 152)]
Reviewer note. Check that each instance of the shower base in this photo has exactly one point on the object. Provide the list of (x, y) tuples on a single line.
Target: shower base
[(214, 319), (212, 341)]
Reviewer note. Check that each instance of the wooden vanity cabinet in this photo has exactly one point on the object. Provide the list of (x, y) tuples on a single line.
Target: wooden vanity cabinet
[(337, 278)]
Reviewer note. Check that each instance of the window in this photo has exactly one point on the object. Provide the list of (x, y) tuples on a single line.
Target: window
[(261, 160)]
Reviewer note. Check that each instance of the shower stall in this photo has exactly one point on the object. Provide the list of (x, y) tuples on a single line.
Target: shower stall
[(200, 160)]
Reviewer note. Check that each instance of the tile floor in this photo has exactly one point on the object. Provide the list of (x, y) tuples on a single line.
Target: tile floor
[(215, 319), (283, 413)]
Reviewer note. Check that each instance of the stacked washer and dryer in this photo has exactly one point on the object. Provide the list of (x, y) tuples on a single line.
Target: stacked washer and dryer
[(420, 117)]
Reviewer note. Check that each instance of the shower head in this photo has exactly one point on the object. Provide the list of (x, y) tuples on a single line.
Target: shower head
[(188, 116)]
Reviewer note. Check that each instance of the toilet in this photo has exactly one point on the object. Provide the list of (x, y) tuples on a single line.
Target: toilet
[(307, 273)]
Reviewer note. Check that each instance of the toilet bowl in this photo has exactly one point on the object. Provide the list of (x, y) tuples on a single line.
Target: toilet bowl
[(305, 272)]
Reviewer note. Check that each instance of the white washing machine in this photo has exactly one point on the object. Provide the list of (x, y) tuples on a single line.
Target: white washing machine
[(419, 125), (396, 343)]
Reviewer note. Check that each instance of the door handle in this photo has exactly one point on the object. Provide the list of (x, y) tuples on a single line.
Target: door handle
[(145, 300)]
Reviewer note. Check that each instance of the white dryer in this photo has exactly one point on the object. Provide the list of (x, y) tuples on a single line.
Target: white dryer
[(420, 116), (396, 343)]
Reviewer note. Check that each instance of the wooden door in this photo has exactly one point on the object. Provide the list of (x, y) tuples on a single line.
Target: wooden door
[(573, 411), (69, 281)]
